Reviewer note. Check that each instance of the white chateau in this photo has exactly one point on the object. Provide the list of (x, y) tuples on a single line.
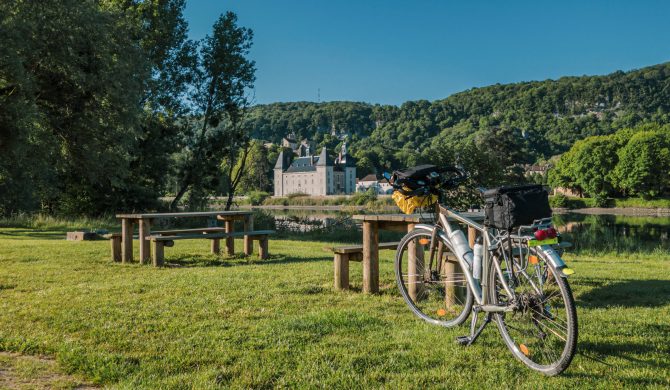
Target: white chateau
[(313, 175)]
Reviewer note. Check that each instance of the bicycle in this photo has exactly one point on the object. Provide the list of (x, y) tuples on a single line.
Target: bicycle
[(515, 276)]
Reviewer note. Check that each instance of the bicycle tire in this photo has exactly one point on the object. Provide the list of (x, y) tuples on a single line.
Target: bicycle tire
[(444, 299), (542, 315)]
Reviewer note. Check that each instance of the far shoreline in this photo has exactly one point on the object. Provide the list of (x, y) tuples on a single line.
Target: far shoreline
[(628, 211)]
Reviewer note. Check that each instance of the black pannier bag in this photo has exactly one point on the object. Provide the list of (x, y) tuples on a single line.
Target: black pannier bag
[(513, 206), (414, 177)]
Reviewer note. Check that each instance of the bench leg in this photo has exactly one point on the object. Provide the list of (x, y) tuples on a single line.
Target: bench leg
[(158, 254), (248, 242), (116, 248), (370, 257), (230, 241), (262, 248), (127, 240), (341, 265), (216, 246), (145, 228)]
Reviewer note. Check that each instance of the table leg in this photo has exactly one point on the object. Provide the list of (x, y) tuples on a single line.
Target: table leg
[(229, 226), (414, 267), (472, 235), (248, 242), (216, 246), (127, 240), (145, 230), (370, 257)]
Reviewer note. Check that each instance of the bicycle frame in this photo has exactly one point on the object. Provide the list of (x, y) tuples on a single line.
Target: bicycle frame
[(444, 229)]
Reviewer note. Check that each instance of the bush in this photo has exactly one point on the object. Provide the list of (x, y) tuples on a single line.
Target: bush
[(257, 197), (296, 195), (601, 201), (362, 198), (558, 200)]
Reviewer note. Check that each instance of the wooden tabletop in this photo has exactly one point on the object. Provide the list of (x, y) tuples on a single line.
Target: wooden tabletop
[(412, 218), (183, 215)]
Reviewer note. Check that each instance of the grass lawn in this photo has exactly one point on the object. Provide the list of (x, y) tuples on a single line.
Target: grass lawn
[(243, 323)]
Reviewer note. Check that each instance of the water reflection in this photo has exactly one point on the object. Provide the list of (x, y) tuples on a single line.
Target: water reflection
[(615, 233)]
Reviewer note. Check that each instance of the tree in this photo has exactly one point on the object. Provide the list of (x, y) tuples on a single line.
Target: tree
[(216, 130), (255, 177), (644, 163), (81, 99), (588, 165)]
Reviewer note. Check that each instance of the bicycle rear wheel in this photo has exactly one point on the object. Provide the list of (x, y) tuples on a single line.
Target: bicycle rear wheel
[(542, 332), (439, 295)]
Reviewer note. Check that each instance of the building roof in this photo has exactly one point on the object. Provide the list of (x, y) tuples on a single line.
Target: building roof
[(282, 161), (324, 160), (302, 164), (370, 177)]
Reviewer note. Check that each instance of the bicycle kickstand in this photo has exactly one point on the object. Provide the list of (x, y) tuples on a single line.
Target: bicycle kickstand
[(474, 334)]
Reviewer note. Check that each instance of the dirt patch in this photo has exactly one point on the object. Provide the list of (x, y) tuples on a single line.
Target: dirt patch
[(35, 372)]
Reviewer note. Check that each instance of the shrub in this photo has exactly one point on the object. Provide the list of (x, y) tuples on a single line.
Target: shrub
[(362, 198), (296, 195), (257, 197), (558, 200)]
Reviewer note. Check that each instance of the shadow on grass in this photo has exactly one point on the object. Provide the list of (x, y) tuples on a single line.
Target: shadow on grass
[(627, 293), (240, 260), (34, 234), (623, 350)]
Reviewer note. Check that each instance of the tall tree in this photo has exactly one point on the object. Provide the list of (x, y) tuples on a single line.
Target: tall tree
[(223, 76)]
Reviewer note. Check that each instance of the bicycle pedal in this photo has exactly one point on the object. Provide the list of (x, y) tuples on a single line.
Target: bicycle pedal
[(463, 340)]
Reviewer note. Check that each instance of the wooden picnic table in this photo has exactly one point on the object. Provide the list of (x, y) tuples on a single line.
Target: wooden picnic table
[(372, 223), (144, 220)]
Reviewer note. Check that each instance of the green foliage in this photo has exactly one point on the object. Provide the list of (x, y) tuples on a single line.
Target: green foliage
[(295, 195), (363, 198), (257, 197), (558, 201), (519, 123), (215, 143), (644, 163), (258, 169), (631, 161)]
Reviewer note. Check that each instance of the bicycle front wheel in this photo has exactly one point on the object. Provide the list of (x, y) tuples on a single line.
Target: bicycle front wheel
[(436, 293), (542, 331)]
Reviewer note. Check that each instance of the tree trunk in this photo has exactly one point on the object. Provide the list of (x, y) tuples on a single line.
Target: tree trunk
[(184, 187)]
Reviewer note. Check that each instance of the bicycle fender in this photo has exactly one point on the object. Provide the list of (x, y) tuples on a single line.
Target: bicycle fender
[(555, 260)]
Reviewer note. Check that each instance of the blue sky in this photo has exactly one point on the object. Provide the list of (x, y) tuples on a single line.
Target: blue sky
[(392, 51)]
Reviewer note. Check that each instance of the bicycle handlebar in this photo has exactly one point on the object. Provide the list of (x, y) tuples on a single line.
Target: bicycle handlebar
[(430, 184)]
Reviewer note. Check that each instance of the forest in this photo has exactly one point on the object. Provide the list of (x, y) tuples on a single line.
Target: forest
[(108, 106), (504, 125)]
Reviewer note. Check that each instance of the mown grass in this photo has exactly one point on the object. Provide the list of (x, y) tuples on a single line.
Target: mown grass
[(217, 322)]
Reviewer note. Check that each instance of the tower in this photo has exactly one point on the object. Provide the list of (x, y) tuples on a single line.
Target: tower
[(280, 166), (324, 170)]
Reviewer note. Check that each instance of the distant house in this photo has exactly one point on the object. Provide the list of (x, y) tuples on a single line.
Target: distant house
[(315, 175), (381, 186), (535, 169)]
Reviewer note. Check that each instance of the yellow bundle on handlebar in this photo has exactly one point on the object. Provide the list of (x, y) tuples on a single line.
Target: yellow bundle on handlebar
[(409, 203)]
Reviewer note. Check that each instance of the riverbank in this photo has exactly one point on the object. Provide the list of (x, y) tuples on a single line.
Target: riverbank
[(632, 211)]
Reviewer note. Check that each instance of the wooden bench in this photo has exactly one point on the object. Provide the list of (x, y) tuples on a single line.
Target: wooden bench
[(167, 238), (345, 254)]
